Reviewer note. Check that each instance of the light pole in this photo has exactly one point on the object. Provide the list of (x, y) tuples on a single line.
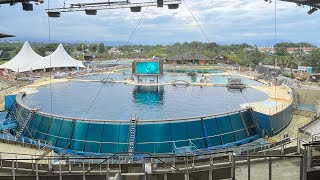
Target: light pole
[(82, 52)]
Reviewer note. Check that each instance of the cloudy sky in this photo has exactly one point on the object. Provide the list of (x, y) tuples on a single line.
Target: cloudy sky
[(224, 21)]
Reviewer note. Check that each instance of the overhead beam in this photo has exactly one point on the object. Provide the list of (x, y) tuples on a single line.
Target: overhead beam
[(109, 5), (12, 2), (2, 35)]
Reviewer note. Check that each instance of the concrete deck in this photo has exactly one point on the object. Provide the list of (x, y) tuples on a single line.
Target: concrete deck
[(284, 169), (12, 151)]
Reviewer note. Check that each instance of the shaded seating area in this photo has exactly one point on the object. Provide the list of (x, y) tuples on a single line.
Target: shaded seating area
[(189, 58), (27, 60)]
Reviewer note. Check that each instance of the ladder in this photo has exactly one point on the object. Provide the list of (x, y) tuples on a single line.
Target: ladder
[(132, 133), (29, 117), (256, 122)]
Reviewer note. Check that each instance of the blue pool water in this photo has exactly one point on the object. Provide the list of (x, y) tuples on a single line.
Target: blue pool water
[(223, 79), (268, 103), (119, 76), (170, 77), (201, 71), (307, 107), (119, 101)]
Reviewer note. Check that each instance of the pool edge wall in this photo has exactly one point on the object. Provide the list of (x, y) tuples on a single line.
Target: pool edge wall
[(275, 123), (234, 128)]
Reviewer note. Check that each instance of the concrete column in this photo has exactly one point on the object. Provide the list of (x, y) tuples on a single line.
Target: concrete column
[(108, 172), (60, 174), (13, 171), (165, 176), (270, 168), (37, 172), (211, 168), (83, 172), (305, 163), (186, 176), (249, 168), (233, 167)]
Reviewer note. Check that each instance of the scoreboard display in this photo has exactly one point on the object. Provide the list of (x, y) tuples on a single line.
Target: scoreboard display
[(147, 68)]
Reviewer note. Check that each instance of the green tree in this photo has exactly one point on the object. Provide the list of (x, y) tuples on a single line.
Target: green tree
[(101, 48), (93, 47), (5, 55), (80, 46)]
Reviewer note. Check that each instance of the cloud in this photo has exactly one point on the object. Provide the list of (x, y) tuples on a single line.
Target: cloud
[(221, 20)]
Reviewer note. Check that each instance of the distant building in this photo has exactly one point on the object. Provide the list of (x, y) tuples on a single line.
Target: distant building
[(315, 77), (189, 58), (269, 70), (290, 50), (136, 51), (88, 56), (47, 53), (221, 60), (305, 50), (266, 49), (115, 51)]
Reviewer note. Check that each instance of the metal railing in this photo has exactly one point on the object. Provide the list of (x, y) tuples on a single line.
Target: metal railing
[(226, 164), (278, 108), (303, 126)]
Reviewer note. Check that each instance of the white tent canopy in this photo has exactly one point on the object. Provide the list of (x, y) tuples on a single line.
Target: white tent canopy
[(22, 61), (59, 58), (27, 60)]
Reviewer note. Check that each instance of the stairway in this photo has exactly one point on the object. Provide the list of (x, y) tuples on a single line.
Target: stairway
[(29, 117), (132, 133)]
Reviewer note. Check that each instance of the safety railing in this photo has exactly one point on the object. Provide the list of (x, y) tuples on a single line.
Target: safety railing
[(24, 141), (278, 108), (219, 165), (302, 127)]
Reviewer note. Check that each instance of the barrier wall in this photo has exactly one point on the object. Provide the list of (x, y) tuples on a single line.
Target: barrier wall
[(161, 136), (275, 123), (279, 117)]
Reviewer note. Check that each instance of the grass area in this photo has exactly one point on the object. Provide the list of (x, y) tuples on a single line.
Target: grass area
[(2, 61)]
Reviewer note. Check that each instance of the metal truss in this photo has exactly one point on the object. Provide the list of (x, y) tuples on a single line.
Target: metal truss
[(109, 5)]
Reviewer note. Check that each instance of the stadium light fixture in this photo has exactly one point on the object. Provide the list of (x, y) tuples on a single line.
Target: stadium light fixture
[(312, 10)]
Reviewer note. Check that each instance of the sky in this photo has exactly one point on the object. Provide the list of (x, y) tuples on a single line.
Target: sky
[(223, 21)]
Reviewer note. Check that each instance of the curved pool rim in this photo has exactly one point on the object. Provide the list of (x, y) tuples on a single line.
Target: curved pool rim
[(243, 132), (264, 122)]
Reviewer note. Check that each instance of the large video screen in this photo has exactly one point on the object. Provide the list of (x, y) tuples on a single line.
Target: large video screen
[(147, 68)]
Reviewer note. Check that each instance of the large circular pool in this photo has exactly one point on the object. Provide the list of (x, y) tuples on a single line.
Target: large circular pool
[(118, 101)]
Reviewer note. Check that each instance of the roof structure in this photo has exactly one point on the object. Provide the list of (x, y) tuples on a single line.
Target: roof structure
[(3, 35), (28, 60), (59, 58), (23, 59)]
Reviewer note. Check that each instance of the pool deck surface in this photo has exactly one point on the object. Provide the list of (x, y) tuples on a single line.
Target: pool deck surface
[(279, 99), (12, 151)]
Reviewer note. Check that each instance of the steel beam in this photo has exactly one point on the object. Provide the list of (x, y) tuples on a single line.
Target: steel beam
[(102, 6)]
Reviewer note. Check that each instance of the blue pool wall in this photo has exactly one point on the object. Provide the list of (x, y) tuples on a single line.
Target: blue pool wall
[(274, 124), (9, 100), (161, 136), (158, 136)]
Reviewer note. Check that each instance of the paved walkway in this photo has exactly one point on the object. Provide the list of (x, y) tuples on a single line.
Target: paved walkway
[(282, 169), (314, 129), (11, 151)]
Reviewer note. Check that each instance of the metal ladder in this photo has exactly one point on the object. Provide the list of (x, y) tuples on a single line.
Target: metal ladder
[(132, 133), (29, 117), (256, 123)]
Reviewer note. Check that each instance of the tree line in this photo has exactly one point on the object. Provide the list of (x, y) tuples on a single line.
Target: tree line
[(242, 54)]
